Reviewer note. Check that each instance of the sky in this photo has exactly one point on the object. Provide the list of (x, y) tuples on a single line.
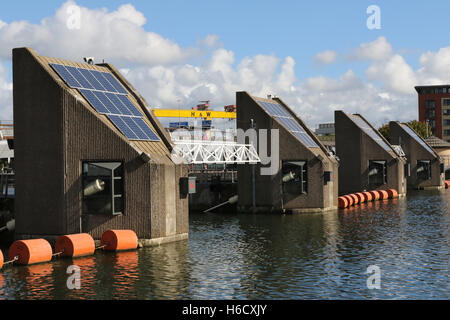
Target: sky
[(318, 56)]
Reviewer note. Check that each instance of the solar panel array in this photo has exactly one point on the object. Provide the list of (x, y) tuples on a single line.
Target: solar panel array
[(413, 134), (107, 96), (279, 112), (362, 124)]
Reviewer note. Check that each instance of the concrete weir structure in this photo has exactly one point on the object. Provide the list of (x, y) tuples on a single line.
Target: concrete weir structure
[(90, 155), (367, 160), (426, 171), (304, 175)]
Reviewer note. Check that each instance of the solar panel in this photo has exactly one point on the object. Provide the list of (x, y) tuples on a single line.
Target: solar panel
[(123, 127), (66, 76), (92, 80), (107, 103), (370, 132), (94, 101), (129, 105), (79, 77), (149, 132), (105, 83), (274, 109), (107, 96), (119, 88), (279, 113), (114, 99), (413, 134)]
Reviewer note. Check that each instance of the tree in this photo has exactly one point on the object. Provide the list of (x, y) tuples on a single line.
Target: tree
[(419, 127)]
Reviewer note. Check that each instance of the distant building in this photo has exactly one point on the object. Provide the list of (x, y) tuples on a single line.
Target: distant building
[(367, 160), (325, 129), (434, 108)]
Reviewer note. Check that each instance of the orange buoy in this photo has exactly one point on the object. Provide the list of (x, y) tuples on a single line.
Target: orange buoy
[(383, 194), (375, 194), (349, 200), (355, 198), (30, 251), (75, 245), (342, 202), (360, 197), (115, 240), (392, 193), (367, 196), (1, 259), (447, 184)]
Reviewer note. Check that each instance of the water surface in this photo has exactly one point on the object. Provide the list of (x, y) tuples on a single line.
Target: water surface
[(249, 256)]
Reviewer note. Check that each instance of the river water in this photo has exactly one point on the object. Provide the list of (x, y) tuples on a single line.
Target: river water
[(248, 256)]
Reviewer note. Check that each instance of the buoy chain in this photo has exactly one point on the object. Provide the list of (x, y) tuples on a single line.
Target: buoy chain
[(11, 261)]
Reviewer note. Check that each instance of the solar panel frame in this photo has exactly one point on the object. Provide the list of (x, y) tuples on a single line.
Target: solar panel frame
[(416, 137)]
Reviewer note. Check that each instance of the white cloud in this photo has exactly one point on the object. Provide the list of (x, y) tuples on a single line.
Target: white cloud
[(5, 95), (117, 36), (395, 74), (379, 49), (325, 57), (435, 67)]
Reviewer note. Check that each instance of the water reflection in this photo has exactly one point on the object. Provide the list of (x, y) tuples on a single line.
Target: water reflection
[(250, 256)]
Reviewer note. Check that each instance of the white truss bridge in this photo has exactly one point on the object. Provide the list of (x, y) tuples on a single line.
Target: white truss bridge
[(215, 152)]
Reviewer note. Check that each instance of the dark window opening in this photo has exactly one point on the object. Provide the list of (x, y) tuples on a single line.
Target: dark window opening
[(103, 188), (377, 172), (295, 178), (423, 169)]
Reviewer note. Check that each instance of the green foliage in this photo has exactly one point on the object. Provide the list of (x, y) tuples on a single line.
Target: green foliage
[(419, 127), (384, 130)]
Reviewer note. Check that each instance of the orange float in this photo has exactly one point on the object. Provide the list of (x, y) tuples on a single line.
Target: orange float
[(447, 184), (75, 245), (360, 197), (375, 195), (355, 198), (342, 202), (115, 240), (367, 196), (392, 193), (349, 199), (383, 194), (30, 251), (1, 259)]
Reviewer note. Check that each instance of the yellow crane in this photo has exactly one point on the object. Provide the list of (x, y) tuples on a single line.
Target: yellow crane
[(205, 114)]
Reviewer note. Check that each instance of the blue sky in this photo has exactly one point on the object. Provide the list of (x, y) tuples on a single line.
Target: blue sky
[(297, 29)]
